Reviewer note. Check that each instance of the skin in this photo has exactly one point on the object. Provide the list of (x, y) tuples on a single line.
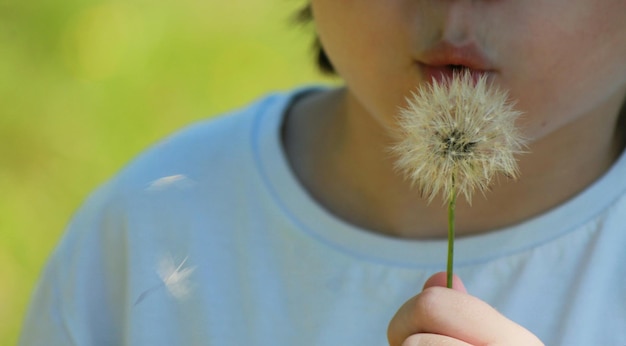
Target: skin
[(441, 316), (562, 60)]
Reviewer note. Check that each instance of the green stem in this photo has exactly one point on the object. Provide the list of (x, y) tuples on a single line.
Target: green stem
[(451, 207)]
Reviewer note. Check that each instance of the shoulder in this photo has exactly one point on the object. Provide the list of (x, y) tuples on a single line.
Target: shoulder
[(207, 165)]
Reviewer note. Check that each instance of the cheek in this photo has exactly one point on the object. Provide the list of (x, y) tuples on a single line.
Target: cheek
[(566, 95), (564, 72), (370, 49)]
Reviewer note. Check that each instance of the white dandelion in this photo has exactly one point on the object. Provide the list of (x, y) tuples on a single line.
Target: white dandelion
[(458, 135), (455, 138)]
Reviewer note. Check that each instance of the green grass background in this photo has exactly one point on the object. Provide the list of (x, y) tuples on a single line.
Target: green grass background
[(85, 85)]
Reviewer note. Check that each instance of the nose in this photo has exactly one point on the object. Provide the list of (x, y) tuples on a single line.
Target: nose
[(457, 21)]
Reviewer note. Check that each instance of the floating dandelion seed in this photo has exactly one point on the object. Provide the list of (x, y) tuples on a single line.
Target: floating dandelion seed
[(179, 181), (456, 137), (173, 277)]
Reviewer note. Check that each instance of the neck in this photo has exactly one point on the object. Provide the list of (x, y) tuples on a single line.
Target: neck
[(341, 156)]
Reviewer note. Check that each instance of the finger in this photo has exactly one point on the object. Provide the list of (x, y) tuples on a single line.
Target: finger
[(439, 310), (401, 326), (432, 340), (441, 279)]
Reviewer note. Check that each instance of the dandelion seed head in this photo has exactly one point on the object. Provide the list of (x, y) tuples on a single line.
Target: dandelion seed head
[(457, 132)]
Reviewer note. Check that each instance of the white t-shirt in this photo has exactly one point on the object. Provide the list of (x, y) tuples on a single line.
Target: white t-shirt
[(209, 239)]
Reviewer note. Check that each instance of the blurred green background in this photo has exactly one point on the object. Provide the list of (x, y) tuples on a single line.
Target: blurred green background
[(85, 85)]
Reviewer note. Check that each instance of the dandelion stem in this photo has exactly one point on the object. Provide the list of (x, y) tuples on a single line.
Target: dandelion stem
[(451, 208)]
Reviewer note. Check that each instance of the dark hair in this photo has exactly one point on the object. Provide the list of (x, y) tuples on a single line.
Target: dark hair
[(305, 16)]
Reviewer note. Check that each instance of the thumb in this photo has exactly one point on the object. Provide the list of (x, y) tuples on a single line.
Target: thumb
[(440, 280)]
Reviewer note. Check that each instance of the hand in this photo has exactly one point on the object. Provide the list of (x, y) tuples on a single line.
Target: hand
[(451, 317)]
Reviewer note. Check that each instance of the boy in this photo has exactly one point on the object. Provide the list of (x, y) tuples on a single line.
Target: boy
[(286, 223)]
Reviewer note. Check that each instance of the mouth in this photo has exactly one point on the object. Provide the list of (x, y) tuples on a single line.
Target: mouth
[(442, 61)]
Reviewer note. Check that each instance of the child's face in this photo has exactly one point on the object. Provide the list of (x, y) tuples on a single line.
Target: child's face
[(558, 58)]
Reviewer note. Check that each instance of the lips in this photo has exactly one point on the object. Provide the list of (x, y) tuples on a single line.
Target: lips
[(442, 61)]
